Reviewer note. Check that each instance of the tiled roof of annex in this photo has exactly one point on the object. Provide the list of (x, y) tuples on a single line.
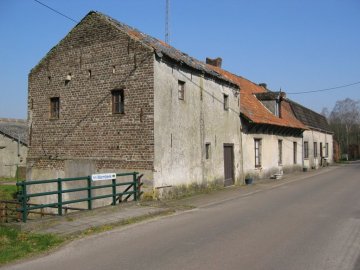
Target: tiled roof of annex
[(15, 129), (252, 109)]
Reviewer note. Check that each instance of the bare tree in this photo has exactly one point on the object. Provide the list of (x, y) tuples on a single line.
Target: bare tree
[(325, 112), (345, 121)]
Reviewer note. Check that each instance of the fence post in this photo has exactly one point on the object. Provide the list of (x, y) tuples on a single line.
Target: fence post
[(59, 184), (2, 212), (89, 192), (23, 202), (114, 191), (135, 187), (6, 213)]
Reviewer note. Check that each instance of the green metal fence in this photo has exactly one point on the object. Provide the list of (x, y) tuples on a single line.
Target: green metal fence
[(133, 189)]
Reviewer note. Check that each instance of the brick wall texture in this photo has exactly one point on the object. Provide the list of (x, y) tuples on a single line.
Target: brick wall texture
[(100, 58)]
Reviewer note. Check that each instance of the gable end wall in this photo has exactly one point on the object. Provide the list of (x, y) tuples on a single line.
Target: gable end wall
[(88, 138)]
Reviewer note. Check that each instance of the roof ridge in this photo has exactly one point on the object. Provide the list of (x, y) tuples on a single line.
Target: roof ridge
[(13, 120)]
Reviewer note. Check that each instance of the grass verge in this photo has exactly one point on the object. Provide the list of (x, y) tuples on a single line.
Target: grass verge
[(129, 221), (7, 192), (9, 179), (15, 244)]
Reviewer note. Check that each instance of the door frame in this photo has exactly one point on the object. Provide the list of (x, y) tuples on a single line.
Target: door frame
[(230, 145)]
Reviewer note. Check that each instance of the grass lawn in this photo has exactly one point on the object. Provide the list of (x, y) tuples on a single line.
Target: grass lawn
[(7, 179), (15, 244), (7, 192)]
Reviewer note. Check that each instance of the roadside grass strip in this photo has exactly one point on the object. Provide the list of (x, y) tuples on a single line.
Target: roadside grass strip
[(15, 244), (7, 192)]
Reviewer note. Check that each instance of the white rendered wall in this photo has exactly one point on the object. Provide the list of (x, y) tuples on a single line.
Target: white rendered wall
[(183, 127)]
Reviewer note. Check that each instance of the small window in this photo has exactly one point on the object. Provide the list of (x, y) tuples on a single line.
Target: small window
[(181, 90), (257, 152), (54, 107), (306, 149), (226, 102), (280, 152), (118, 101), (315, 150), (326, 149), (207, 150), (295, 152)]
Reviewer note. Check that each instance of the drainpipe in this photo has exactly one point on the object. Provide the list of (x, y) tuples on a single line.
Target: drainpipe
[(302, 146), (242, 174)]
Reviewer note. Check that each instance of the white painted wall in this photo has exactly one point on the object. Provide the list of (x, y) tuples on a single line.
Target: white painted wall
[(9, 159), (270, 154), (312, 136), (183, 127)]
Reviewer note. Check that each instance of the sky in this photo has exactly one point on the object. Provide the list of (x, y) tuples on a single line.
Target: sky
[(292, 45)]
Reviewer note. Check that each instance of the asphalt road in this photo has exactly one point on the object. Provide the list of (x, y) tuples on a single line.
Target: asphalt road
[(312, 223)]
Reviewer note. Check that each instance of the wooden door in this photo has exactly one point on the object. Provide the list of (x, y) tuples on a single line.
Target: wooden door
[(228, 164)]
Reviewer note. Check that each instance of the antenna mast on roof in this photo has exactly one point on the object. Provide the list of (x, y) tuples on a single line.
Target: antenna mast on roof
[(167, 18)]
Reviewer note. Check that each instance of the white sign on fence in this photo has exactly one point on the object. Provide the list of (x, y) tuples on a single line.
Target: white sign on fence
[(103, 176)]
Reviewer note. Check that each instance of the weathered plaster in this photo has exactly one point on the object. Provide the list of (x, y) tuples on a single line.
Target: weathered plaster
[(183, 127), (312, 136)]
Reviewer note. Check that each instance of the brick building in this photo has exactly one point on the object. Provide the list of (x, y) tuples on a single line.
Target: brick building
[(110, 98)]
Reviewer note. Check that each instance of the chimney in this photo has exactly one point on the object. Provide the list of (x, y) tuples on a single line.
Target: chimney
[(282, 96), (214, 62), (263, 85)]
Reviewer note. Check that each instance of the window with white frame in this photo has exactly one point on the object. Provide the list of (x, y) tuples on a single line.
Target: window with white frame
[(280, 151), (306, 149), (315, 150), (257, 143), (327, 149)]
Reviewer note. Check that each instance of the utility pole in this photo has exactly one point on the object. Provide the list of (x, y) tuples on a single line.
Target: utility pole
[(167, 19)]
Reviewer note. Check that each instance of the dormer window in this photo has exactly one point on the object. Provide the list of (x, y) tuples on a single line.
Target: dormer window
[(272, 101)]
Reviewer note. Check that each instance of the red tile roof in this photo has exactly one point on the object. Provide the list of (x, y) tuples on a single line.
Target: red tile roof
[(252, 109)]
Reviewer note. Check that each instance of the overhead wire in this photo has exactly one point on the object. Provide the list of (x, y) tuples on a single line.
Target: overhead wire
[(206, 92), (322, 90), (58, 12)]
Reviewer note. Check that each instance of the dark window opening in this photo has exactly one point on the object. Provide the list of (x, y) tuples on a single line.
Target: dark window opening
[(295, 152), (118, 101), (54, 107), (181, 90), (207, 150), (226, 102), (321, 150)]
